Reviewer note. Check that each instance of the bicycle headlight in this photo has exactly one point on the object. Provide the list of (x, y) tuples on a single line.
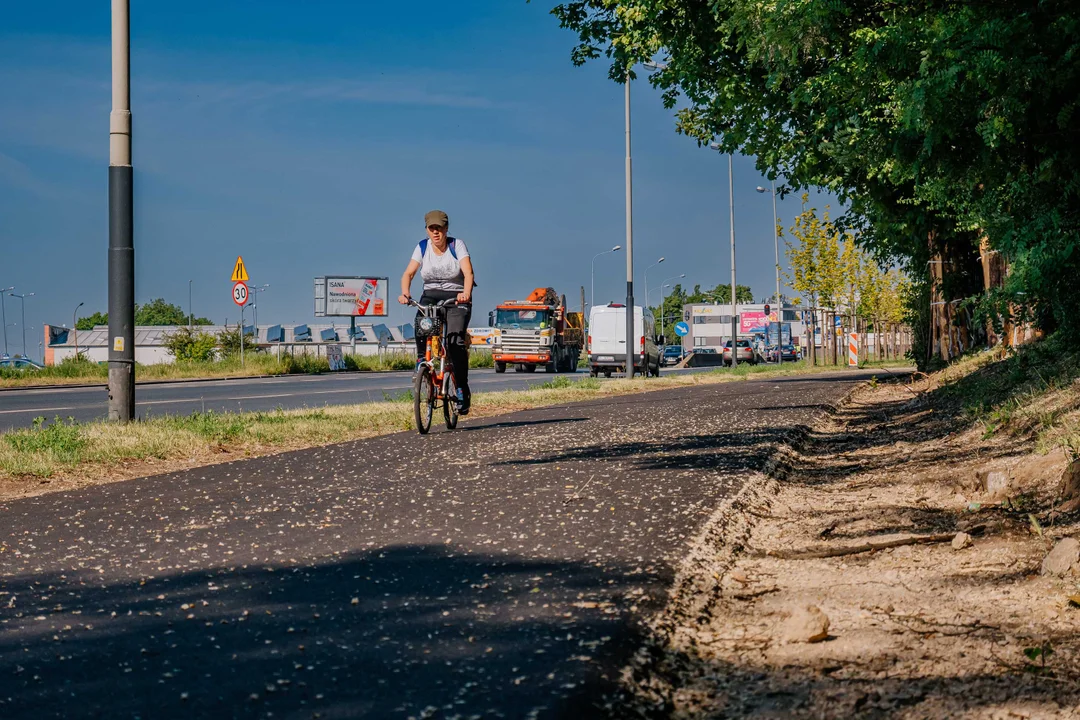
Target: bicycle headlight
[(426, 324)]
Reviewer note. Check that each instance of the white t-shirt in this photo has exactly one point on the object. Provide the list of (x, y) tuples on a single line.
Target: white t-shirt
[(442, 272)]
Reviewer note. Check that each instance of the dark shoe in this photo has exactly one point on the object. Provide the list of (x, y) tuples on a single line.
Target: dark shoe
[(466, 401)]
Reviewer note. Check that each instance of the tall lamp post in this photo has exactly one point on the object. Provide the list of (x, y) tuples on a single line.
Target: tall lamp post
[(592, 274), (3, 314), (647, 278), (776, 247), (121, 225), (662, 286), (75, 328), (629, 243), (734, 307), (22, 301), (255, 306)]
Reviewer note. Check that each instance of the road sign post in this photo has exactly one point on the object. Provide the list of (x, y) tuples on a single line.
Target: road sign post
[(240, 297)]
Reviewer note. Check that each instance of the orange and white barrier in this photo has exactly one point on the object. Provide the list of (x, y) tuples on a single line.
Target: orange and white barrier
[(853, 350)]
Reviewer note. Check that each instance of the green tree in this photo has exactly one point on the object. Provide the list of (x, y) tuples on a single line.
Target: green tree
[(229, 342), (155, 312), (159, 312), (91, 321), (932, 120)]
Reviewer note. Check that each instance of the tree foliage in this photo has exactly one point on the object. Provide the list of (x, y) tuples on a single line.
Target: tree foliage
[(155, 312), (91, 321), (933, 120)]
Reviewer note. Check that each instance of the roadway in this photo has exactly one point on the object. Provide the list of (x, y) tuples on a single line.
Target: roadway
[(502, 570), (18, 408)]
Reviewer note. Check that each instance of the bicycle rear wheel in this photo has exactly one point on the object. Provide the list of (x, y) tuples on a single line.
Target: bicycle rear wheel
[(423, 399), (450, 406)]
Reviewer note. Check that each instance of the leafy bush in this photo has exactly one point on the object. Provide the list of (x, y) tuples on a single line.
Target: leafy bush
[(184, 344), (229, 342), (481, 359)]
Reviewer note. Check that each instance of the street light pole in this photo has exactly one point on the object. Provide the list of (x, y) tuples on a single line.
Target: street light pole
[(255, 307), (121, 224), (22, 301), (3, 314), (776, 246), (629, 243), (734, 307), (191, 312), (662, 286), (75, 328), (592, 274), (647, 278)]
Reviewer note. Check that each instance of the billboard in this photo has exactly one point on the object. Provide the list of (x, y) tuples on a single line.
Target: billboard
[(341, 296), (750, 319)]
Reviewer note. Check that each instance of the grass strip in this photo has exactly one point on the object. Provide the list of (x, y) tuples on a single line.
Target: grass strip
[(102, 451), (84, 372)]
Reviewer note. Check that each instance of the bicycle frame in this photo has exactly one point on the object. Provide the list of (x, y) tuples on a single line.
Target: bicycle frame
[(435, 356)]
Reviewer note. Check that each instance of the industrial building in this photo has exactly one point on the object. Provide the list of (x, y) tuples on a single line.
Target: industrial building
[(710, 324)]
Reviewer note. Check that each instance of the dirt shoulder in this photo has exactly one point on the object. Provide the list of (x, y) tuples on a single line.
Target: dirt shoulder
[(964, 629)]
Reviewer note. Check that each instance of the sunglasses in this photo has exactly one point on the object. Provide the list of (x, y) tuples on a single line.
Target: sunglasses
[(436, 228)]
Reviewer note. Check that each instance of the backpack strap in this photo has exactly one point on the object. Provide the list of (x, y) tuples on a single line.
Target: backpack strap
[(451, 244)]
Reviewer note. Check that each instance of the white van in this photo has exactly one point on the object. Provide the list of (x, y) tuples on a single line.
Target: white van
[(607, 341)]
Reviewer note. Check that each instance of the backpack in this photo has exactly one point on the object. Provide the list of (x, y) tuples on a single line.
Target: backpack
[(451, 245)]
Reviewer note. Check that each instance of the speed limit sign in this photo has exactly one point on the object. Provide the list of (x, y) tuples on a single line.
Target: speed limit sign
[(240, 294)]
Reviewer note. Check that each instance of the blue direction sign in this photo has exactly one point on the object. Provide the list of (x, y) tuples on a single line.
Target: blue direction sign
[(682, 329)]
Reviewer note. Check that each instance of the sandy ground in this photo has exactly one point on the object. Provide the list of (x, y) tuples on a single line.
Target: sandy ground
[(914, 631)]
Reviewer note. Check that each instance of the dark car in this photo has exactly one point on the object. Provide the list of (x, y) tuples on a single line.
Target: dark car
[(788, 353), (705, 351), (672, 354)]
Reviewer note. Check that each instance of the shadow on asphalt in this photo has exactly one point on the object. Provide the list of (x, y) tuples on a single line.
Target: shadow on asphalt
[(740, 449), (523, 423), (385, 634)]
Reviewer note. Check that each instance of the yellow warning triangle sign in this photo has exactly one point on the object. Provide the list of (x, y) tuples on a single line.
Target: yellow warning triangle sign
[(239, 273)]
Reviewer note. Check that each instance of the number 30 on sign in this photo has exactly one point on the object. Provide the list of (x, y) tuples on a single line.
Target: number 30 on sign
[(240, 294)]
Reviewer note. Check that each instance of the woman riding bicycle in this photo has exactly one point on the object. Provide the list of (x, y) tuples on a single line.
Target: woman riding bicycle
[(447, 273)]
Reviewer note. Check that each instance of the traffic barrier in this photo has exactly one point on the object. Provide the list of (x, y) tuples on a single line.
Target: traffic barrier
[(853, 350)]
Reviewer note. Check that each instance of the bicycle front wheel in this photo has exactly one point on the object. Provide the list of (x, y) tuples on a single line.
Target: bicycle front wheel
[(423, 399)]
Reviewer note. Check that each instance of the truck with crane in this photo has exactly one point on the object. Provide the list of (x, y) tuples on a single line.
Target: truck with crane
[(539, 331)]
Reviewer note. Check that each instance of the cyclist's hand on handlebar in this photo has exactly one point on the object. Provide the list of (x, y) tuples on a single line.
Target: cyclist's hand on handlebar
[(464, 297), (404, 299)]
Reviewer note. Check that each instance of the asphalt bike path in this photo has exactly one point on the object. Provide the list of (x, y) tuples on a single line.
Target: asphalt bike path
[(499, 570)]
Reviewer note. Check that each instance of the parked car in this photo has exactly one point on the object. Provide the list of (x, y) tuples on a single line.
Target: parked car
[(705, 351), (788, 353), (744, 352), (672, 354), (20, 363)]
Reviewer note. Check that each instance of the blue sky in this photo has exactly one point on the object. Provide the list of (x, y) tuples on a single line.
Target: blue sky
[(311, 138)]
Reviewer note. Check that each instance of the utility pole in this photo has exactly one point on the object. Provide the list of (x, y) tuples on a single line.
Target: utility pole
[(22, 300), (734, 311), (3, 314), (75, 329), (191, 312), (121, 223), (629, 244)]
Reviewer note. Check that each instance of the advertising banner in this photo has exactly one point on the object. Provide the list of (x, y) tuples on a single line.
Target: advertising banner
[(750, 319), (353, 297)]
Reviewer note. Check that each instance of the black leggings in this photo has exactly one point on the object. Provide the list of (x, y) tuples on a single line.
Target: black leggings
[(457, 325)]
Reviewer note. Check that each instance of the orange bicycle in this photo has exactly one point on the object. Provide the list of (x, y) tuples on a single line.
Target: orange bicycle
[(434, 384)]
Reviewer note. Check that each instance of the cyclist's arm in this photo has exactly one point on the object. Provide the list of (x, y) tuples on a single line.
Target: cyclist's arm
[(467, 271), (406, 281)]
